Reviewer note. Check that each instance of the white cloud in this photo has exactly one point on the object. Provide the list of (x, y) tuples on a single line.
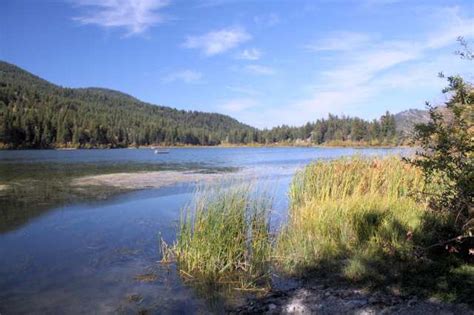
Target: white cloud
[(259, 70), (364, 69), (217, 42), (135, 16), (455, 25), (340, 41), (369, 65), (238, 105), (187, 76), (250, 54)]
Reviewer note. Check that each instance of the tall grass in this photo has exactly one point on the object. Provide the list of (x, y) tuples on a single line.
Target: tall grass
[(357, 212), (356, 217), (224, 237)]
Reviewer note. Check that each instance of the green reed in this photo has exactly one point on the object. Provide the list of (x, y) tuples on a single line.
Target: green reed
[(224, 237), (358, 212)]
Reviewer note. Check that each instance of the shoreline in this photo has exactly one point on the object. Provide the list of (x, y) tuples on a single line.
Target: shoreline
[(222, 146), (322, 295), (315, 296)]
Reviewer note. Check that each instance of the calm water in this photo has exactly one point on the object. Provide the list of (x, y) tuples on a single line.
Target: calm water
[(82, 255)]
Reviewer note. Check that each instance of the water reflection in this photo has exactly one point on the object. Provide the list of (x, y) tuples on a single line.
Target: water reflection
[(31, 189)]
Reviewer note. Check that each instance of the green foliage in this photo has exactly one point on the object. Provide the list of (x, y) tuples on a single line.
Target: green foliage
[(358, 219), (355, 218), (37, 114), (447, 158), (224, 238), (352, 210), (338, 131)]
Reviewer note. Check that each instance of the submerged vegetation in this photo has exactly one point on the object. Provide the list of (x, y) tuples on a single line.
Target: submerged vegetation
[(224, 238), (27, 189)]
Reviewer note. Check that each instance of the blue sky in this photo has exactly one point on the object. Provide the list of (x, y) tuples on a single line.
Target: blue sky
[(263, 62)]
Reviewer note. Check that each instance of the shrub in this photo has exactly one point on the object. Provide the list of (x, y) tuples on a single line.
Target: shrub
[(447, 162)]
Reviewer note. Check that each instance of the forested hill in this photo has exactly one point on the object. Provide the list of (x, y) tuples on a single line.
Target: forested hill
[(35, 113)]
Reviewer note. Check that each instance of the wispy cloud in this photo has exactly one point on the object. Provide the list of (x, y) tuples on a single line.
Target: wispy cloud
[(455, 25), (362, 67), (217, 42), (365, 58), (259, 70), (243, 90), (133, 16), (366, 68), (340, 41), (250, 54), (187, 76), (238, 105)]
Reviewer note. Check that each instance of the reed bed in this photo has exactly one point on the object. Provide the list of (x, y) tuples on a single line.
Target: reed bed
[(358, 218), (357, 213), (224, 237)]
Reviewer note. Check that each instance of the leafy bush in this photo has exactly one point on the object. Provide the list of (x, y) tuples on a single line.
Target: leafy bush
[(447, 159)]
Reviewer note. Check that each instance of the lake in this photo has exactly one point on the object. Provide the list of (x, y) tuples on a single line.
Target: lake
[(73, 248)]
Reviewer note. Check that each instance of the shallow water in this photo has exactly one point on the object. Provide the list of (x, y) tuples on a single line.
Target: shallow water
[(83, 254)]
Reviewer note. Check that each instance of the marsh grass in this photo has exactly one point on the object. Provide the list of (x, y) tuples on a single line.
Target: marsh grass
[(355, 219), (224, 237), (358, 213), (365, 221)]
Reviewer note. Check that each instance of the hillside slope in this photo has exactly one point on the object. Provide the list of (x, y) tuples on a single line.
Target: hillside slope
[(36, 113), (405, 121)]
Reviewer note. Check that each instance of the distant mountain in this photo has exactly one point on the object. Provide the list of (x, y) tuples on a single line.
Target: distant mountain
[(36, 113), (406, 120)]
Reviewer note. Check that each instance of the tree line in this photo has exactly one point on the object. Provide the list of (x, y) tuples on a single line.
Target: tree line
[(338, 130), (37, 114)]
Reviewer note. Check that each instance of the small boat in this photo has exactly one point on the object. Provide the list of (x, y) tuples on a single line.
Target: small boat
[(162, 151)]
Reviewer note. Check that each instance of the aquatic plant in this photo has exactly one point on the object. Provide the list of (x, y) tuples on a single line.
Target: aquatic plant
[(352, 212), (357, 218), (224, 237)]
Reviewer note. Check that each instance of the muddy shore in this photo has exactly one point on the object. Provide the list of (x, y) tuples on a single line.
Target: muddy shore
[(317, 298)]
